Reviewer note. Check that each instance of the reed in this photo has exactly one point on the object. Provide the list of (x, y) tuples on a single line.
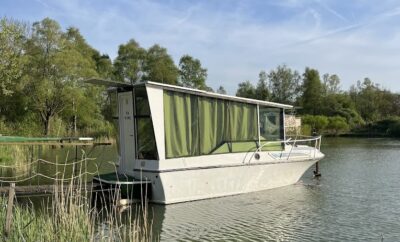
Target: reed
[(73, 215)]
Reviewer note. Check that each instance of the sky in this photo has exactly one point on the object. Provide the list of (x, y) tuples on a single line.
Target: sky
[(235, 40)]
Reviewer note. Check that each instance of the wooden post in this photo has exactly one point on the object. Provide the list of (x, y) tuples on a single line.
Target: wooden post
[(316, 172), (76, 160), (11, 194)]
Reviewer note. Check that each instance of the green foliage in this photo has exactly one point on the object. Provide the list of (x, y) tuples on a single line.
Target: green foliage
[(262, 92), (12, 41), (317, 122), (312, 92), (284, 84), (337, 125), (331, 84), (306, 129), (246, 89), (13, 100), (221, 90), (394, 128), (159, 66), (192, 74), (129, 64)]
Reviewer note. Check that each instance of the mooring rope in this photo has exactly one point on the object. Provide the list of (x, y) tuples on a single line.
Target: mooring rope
[(45, 161), (15, 179)]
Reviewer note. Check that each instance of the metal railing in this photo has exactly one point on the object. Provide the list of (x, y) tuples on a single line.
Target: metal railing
[(315, 142)]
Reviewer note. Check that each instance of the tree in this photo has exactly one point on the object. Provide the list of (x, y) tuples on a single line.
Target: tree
[(331, 84), (191, 73), (12, 40), (159, 66), (59, 62), (246, 89), (104, 65), (83, 103), (317, 122), (129, 64), (368, 100), (312, 92), (337, 124), (262, 92), (45, 79), (12, 64), (221, 90), (284, 84)]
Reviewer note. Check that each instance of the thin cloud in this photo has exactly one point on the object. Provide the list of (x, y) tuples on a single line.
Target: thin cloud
[(236, 40)]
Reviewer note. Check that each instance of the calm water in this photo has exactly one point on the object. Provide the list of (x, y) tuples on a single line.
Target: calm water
[(356, 199)]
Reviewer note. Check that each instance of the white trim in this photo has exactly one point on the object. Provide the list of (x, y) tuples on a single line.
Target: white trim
[(258, 124), (283, 123), (215, 95), (156, 103), (121, 182)]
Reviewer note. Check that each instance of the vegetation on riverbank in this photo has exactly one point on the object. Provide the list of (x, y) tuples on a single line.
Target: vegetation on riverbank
[(43, 69), (325, 107), (71, 215), (50, 64)]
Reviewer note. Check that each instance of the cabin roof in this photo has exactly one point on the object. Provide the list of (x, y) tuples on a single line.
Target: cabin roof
[(214, 95), (188, 90)]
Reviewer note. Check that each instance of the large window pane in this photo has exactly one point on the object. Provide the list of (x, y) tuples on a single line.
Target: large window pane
[(145, 142), (271, 128), (270, 123), (141, 102), (146, 145)]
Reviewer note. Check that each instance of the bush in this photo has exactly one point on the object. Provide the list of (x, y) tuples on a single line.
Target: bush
[(337, 125), (317, 123), (306, 129), (394, 129)]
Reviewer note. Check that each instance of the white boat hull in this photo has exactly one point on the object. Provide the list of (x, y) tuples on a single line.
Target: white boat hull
[(183, 185)]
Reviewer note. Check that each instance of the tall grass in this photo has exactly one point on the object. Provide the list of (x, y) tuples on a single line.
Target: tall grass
[(15, 160), (73, 215)]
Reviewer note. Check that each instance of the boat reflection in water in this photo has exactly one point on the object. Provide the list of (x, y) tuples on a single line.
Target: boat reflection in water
[(276, 214)]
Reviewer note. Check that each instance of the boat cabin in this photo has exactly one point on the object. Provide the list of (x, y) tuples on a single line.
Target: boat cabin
[(158, 122), (219, 145)]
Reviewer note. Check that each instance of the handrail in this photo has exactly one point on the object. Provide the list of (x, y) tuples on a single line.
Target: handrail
[(317, 145)]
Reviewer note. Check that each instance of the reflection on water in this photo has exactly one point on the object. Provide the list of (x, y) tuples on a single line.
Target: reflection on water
[(20, 162), (356, 199)]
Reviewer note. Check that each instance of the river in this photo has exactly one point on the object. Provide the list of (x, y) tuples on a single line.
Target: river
[(357, 198)]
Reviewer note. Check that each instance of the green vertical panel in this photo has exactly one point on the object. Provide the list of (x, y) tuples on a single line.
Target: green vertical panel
[(243, 126), (181, 124), (243, 121), (193, 112), (213, 116), (175, 125)]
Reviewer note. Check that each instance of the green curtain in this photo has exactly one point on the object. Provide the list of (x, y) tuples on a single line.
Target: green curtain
[(213, 114), (181, 125), (243, 121), (200, 125)]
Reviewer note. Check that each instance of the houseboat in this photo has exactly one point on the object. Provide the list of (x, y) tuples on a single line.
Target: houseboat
[(188, 144)]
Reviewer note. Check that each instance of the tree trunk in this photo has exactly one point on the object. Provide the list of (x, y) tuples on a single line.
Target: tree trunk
[(46, 123), (74, 109)]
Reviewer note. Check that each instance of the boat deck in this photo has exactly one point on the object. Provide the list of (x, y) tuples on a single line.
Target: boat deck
[(119, 179)]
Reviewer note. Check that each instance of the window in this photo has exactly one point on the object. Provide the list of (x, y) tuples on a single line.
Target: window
[(271, 127), (145, 142), (197, 125)]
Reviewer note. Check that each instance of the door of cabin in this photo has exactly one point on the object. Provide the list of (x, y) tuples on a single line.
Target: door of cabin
[(127, 132)]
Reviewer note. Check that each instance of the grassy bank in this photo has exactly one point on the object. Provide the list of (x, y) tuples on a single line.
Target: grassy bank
[(72, 215)]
